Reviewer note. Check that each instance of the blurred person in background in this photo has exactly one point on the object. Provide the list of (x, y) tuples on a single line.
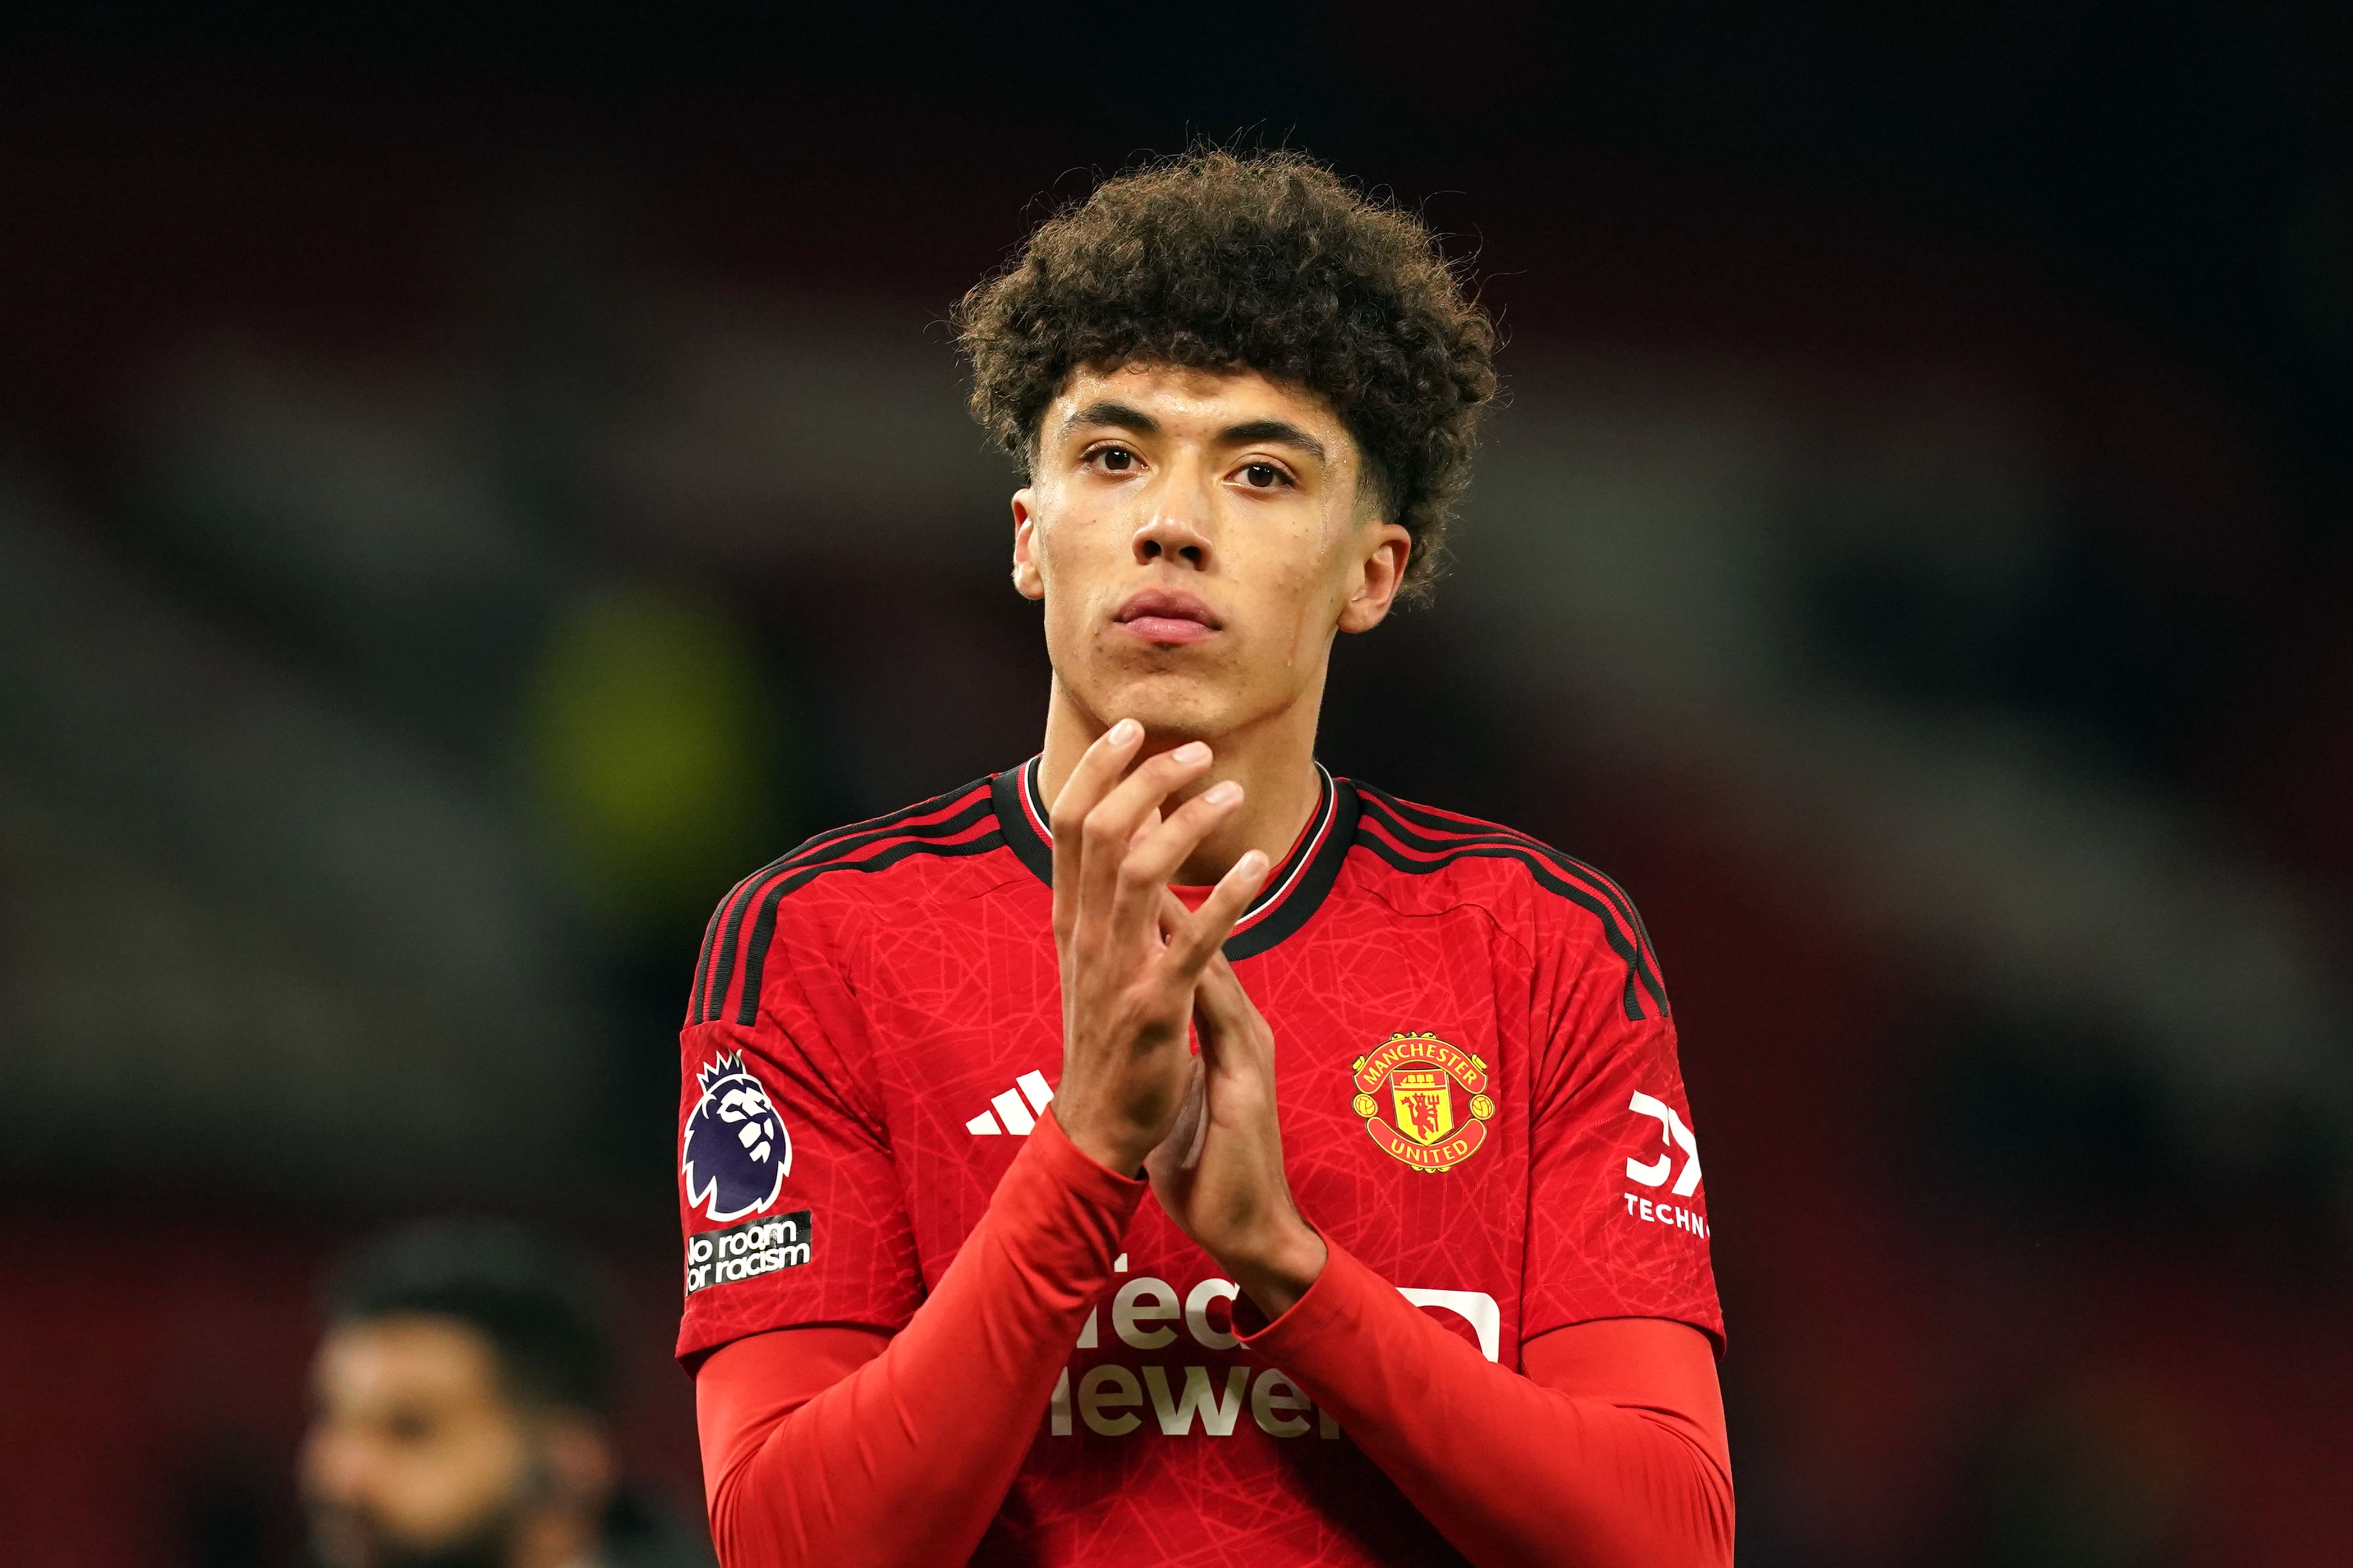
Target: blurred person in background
[(463, 1397)]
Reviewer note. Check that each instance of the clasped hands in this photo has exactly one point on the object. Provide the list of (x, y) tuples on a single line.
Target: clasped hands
[(1141, 975)]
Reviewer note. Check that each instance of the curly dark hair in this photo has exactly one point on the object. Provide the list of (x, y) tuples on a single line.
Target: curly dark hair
[(1262, 262), (544, 1319)]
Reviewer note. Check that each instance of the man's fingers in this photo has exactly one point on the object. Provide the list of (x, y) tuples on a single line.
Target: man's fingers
[(1198, 942), (1152, 819), (1108, 827), (1181, 1149), (1220, 1007), (1100, 767), (1154, 857), (1173, 914), (1233, 1033)]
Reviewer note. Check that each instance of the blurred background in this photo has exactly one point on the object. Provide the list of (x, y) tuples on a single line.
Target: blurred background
[(473, 483)]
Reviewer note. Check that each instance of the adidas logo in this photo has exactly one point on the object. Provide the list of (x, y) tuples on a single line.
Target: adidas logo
[(1018, 1118)]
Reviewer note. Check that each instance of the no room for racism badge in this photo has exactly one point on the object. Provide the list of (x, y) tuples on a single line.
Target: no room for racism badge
[(1423, 1101)]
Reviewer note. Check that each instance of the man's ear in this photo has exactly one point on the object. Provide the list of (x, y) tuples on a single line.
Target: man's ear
[(581, 1466), (1028, 581), (1378, 578)]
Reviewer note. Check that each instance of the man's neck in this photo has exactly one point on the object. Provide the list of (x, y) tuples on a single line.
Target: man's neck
[(557, 1539), (1274, 759)]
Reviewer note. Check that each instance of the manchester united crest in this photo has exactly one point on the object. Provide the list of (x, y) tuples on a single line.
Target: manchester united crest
[(1423, 1101)]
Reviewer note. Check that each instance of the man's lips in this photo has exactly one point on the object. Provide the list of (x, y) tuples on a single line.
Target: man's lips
[(1161, 615)]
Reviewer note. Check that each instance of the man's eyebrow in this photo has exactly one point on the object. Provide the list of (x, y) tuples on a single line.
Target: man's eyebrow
[(1118, 416), (1280, 431)]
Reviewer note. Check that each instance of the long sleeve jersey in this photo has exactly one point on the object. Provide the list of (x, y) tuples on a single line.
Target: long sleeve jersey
[(1481, 1110)]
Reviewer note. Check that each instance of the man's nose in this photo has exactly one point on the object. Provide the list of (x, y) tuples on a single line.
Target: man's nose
[(1176, 530)]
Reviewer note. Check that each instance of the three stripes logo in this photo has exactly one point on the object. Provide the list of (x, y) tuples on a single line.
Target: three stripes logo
[(1011, 1114)]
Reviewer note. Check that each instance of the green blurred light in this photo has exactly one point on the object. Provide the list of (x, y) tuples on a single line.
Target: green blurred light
[(650, 744)]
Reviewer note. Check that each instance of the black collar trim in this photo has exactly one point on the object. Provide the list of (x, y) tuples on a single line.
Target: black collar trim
[(1294, 891)]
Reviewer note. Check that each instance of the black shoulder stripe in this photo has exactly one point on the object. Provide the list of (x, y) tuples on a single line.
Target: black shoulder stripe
[(724, 962), (1614, 933), (1630, 938), (1628, 947), (715, 970), (1422, 816), (1392, 815), (837, 854), (703, 963), (763, 927), (815, 841)]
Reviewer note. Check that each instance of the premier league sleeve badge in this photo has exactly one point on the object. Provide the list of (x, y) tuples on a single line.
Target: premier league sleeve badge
[(734, 1153)]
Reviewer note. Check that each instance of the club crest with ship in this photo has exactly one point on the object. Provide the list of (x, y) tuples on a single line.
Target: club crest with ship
[(735, 1154), (1424, 1102)]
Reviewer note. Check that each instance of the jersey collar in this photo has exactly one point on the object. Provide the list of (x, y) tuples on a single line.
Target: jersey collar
[(1293, 890)]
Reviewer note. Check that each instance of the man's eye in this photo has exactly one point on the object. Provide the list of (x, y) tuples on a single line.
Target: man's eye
[(1262, 475), (1116, 459), (409, 1426)]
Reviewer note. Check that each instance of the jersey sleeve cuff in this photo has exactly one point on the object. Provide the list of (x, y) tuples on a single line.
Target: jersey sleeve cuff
[(1061, 1212), (1078, 1170), (1332, 1310)]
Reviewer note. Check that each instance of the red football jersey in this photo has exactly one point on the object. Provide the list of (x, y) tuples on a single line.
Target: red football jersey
[(1479, 1094)]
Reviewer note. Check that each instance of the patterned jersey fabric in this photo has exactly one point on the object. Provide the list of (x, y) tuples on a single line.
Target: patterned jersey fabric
[(1478, 1093)]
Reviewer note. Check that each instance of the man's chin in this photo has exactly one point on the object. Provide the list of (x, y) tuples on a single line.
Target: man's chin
[(1171, 705), (344, 1537)]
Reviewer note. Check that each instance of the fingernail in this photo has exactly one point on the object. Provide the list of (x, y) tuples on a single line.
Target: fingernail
[(1193, 751), (1224, 793), (1121, 733), (1254, 861)]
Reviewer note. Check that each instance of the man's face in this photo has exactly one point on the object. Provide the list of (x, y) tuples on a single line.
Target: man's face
[(1196, 538), (415, 1456)]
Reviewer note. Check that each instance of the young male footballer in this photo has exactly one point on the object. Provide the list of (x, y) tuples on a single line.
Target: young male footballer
[(1163, 1152)]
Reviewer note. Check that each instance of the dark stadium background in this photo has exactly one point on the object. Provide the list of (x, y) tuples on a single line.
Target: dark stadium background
[(473, 482)]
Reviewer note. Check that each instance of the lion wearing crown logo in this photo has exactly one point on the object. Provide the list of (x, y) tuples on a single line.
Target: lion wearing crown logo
[(734, 1153)]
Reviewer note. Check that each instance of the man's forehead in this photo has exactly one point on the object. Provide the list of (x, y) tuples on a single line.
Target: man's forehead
[(1181, 397), (411, 1350)]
